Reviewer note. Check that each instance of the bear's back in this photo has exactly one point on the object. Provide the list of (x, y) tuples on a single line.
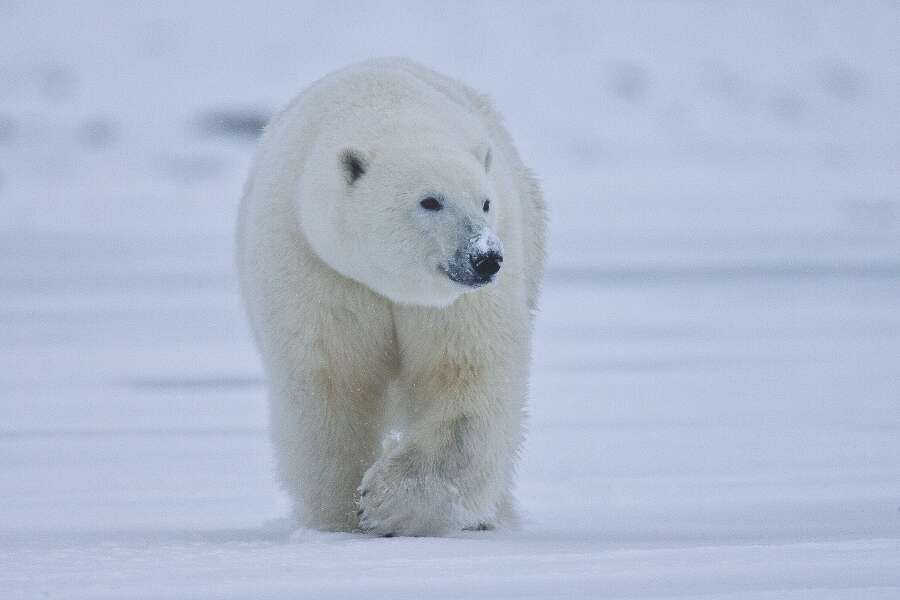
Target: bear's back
[(381, 99), (396, 100)]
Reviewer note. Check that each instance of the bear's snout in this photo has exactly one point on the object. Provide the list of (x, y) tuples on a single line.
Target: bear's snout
[(478, 260), (487, 264), (475, 268)]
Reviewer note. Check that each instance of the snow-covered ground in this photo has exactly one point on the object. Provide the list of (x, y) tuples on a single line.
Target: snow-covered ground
[(716, 389)]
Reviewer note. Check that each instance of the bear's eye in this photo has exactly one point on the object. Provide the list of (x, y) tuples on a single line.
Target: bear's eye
[(486, 206), (430, 203)]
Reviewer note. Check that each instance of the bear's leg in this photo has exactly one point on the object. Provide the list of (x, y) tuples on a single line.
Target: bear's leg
[(326, 415), (323, 445), (453, 467)]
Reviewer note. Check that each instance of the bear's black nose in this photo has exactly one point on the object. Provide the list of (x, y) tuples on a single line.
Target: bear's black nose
[(486, 265)]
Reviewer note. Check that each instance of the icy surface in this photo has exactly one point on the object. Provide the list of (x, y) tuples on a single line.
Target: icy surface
[(715, 407)]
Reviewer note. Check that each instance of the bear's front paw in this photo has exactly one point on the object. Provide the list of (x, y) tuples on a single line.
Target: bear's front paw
[(396, 498)]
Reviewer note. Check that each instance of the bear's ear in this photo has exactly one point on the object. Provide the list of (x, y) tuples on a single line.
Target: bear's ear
[(354, 163), (483, 154)]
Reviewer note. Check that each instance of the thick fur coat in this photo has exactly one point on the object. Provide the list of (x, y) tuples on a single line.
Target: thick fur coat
[(391, 249)]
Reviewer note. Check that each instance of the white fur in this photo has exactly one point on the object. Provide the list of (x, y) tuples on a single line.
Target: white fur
[(359, 326)]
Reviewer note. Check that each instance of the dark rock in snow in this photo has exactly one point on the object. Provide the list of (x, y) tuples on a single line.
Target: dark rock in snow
[(240, 123)]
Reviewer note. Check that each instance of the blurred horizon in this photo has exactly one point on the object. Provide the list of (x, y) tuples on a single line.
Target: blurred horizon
[(736, 130)]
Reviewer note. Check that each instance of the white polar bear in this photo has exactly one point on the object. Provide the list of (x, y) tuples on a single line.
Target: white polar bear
[(391, 247)]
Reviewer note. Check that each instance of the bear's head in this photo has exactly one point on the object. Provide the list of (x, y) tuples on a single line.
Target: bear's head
[(414, 224)]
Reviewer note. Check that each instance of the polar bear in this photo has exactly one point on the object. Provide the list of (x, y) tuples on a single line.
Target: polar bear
[(390, 251)]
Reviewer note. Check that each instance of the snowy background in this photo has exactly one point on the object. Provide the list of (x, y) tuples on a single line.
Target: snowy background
[(716, 389)]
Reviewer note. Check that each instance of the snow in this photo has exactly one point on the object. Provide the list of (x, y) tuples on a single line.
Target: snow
[(486, 241), (714, 403)]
